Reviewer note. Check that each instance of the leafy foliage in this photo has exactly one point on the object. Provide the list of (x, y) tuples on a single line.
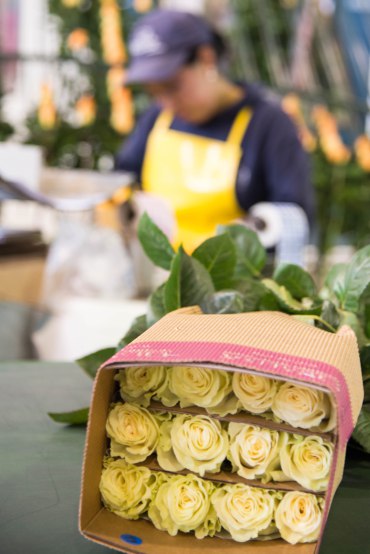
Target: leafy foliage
[(223, 275)]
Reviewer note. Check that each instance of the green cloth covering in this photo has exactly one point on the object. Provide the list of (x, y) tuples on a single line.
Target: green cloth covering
[(40, 469)]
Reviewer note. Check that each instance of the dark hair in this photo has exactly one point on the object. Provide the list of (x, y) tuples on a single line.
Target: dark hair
[(218, 44)]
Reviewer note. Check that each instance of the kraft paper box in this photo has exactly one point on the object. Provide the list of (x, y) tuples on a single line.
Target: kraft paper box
[(268, 343)]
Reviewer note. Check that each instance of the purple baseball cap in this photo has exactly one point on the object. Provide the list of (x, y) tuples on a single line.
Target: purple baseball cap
[(160, 44)]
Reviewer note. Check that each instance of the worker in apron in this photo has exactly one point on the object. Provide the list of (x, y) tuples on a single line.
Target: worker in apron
[(211, 148)]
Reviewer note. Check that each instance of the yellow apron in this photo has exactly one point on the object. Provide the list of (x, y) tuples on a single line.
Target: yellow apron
[(196, 175)]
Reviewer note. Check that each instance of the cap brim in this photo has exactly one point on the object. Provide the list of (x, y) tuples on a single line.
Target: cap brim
[(154, 68)]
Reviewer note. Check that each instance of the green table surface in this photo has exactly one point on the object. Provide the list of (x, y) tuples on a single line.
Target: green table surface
[(40, 469)]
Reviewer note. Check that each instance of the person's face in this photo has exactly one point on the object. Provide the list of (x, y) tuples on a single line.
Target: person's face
[(190, 94)]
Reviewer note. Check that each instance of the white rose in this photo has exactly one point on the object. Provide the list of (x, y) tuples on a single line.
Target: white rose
[(133, 431), (244, 511), (298, 517), (127, 490), (254, 452), (199, 443), (255, 393), (307, 460), (301, 406), (140, 384), (203, 387), (183, 504)]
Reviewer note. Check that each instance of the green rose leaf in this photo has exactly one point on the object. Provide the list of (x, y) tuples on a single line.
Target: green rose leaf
[(218, 256), (77, 417), (157, 308), (364, 310), (91, 363), (138, 326), (362, 430), (287, 303), (189, 282), (367, 390), (357, 278), (296, 280), (365, 360), (351, 319), (155, 243), (250, 254), (223, 302), (254, 293), (334, 281), (330, 315)]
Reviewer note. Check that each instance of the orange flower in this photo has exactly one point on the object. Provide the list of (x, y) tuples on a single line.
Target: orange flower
[(77, 39), (115, 77), (114, 50), (142, 5), (362, 151), (47, 113), (292, 106), (71, 3), (86, 110), (308, 140), (330, 140), (122, 114)]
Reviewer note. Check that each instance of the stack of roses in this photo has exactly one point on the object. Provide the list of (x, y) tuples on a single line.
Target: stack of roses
[(222, 392), (188, 503), (201, 444)]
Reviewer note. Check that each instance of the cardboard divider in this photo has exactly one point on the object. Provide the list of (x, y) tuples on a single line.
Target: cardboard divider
[(228, 477), (243, 417)]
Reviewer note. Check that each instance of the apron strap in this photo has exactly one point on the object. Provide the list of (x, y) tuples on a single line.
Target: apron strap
[(163, 121), (239, 126), (236, 133)]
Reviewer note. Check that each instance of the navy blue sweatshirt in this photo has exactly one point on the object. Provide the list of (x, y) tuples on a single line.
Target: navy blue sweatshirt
[(274, 166)]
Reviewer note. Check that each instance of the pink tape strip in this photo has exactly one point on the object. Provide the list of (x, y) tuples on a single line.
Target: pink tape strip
[(283, 365)]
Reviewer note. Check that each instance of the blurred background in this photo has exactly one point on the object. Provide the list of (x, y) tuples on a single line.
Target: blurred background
[(64, 114)]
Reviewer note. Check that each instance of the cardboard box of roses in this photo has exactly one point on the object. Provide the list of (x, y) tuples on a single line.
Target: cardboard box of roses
[(227, 428)]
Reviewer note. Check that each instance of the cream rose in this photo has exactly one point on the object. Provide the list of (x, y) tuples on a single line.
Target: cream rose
[(127, 490), (203, 387), (255, 393), (199, 443), (183, 504), (140, 384), (298, 517), (301, 406), (133, 431), (254, 452), (244, 511), (307, 460)]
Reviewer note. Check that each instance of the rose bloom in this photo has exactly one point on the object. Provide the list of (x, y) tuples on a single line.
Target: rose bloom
[(255, 393), (134, 432), (183, 504), (301, 406), (298, 517), (127, 490), (199, 443), (244, 511), (254, 452), (203, 387), (307, 460), (140, 384)]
